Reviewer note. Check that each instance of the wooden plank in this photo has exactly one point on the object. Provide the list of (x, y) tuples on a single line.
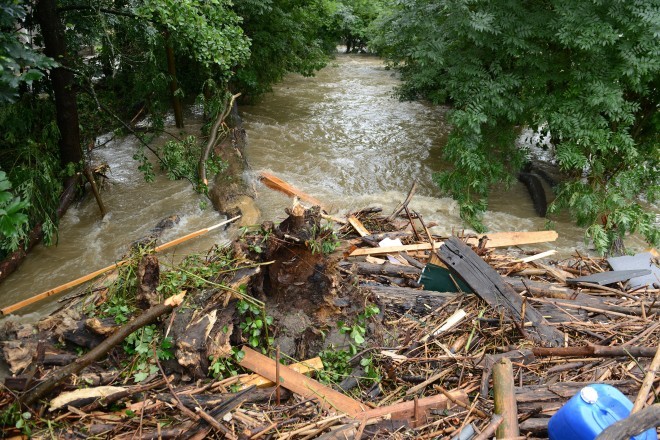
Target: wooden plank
[(495, 239), (359, 227), (303, 367), (406, 410), (274, 182), (490, 286), (300, 384), (536, 257), (504, 239), (393, 249)]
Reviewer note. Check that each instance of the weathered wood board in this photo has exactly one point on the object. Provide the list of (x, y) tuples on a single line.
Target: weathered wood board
[(490, 286)]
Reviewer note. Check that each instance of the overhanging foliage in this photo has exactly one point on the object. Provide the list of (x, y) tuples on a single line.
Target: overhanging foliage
[(586, 72)]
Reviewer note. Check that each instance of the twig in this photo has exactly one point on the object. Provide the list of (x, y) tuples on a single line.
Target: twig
[(399, 208), (648, 383)]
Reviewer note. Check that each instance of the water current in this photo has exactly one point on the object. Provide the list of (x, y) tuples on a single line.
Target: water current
[(340, 136)]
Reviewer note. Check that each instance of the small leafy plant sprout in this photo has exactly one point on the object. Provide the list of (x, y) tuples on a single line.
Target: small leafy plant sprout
[(224, 367), (323, 241), (358, 329), (255, 324), (140, 344)]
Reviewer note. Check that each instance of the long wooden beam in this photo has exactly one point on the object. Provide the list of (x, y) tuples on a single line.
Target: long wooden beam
[(300, 384), (90, 276), (495, 239), (274, 182)]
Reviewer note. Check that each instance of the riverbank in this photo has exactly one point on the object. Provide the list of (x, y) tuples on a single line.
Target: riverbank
[(386, 345)]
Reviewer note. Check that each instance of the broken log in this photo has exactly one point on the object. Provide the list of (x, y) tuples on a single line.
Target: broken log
[(58, 376), (387, 268), (540, 289), (490, 286), (405, 299)]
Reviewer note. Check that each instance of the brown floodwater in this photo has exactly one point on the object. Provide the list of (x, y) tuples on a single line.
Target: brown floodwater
[(340, 136)]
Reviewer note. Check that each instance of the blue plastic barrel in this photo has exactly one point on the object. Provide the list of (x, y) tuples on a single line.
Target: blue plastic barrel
[(589, 412)]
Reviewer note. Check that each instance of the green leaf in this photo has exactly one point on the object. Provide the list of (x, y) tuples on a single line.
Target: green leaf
[(140, 376)]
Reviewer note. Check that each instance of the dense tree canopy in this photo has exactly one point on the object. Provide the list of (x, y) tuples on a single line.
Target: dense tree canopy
[(120, 58), (587, 73), (584, 72)]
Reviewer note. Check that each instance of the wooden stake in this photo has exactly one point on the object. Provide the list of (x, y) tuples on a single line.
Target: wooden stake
[(66, 286), (504, 397)]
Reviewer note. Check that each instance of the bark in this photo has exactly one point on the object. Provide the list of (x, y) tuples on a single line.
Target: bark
[(62, 81)]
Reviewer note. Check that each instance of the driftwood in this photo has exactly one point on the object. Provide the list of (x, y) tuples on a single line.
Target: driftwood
[(404, 204), (592, 304), (540, 289), (633, 425), (416, 411), (387, 268), (274, 182), (213, 138), (490, 286), (300, 384), (100, 350), (487, 433), (549, 398), (595, 350), (405, 299)]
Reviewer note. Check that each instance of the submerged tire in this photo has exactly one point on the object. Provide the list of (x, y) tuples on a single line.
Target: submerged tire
[(536, 192)]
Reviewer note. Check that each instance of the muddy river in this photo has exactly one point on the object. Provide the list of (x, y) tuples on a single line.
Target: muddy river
[(341, 136)]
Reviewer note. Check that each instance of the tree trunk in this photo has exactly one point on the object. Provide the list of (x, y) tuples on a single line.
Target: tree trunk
[(62, 80), (171, 68)]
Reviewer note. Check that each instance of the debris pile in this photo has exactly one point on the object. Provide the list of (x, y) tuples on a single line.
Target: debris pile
[(369, 328)]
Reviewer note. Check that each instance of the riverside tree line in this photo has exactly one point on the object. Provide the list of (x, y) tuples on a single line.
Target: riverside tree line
[(587, 73)]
